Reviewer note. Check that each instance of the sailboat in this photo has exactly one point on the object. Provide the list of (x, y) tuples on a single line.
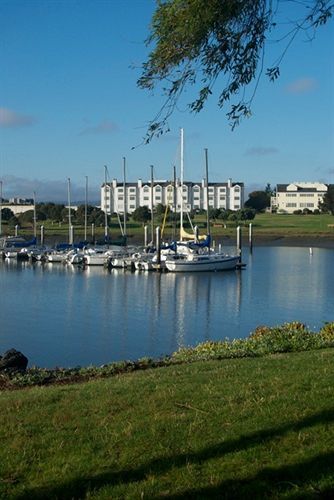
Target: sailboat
[(197, 255)]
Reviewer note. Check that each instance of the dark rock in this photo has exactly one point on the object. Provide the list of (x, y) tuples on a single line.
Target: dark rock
[(13, 360)]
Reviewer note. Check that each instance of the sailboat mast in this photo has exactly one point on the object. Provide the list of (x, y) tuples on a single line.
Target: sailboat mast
[(181, 175), (105, 203), (174, 202), (207, 191), (70, 239), (152, 216), (86, 203), (207, 197), (124, 194), (35, 220)]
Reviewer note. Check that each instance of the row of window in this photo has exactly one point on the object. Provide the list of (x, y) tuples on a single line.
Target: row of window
[(301, 205), (171, 188), (301, 195)]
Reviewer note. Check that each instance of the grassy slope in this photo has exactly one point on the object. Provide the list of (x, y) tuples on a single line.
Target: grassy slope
[(221, 429), (265, 224)]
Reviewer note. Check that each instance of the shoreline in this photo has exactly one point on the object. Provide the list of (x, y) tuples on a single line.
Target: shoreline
[(304, 241)]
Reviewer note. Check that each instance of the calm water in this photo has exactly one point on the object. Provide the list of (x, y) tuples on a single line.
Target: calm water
[(64, 316)]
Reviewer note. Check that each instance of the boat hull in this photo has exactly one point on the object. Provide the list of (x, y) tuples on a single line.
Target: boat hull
[(210, 264)]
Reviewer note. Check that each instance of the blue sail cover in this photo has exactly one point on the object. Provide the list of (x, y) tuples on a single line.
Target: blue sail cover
[(171, 246), (204, 243), (200, 244), (23, 244)]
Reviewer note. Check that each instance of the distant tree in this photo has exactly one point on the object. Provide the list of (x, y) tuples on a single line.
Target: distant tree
[(6, 214), (246, 214), (26, 217), (327, 205), (93, 213), (214, 213), (269, 190), (50, 210), (65, 214), (224, 213), (160, 209), (204, 44), (159, 212), (13, 221), (259, 200), (233, 216), (141, 214)]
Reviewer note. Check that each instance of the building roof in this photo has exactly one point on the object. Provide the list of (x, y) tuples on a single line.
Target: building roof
[(303, 188)]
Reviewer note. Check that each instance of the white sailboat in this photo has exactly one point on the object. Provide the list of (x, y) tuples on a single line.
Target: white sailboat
[(196, 255)]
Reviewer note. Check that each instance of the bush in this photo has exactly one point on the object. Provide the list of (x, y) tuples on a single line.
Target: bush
[(327, 333)]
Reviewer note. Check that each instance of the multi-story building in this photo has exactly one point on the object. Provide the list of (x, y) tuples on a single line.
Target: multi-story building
[(298, 196), (117, 198)]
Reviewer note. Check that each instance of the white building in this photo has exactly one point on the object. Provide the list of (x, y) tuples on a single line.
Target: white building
[(298, 196), (117, 198), (18, 208)]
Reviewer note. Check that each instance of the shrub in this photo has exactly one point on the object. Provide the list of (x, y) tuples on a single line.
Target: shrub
[(327, 334)]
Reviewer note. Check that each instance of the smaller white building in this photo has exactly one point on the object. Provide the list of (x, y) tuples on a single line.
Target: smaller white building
[(18, 208), (298, 196)]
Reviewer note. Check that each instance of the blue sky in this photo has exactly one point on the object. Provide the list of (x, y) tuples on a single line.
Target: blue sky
[(69, 105)]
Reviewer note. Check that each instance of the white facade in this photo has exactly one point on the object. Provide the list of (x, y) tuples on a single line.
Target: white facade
[(298, 196), (117, 198), (17, 208)]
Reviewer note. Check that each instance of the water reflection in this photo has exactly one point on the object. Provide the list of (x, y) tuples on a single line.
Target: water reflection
[(65, 315)]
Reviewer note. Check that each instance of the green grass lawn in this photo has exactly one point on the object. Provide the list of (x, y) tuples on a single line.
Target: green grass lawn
[(264, 224), (236, 428), (295, 224)]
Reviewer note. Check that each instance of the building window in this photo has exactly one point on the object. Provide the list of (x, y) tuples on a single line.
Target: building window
[(291, 205), (308, 205)]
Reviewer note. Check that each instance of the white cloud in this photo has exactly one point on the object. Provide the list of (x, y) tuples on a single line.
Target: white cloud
[(301, 86), (55, 191), (105, 127), (11, 119), (261, 151)]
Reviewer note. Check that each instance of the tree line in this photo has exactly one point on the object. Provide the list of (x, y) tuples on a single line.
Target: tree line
[(57, 213), (258, 201)]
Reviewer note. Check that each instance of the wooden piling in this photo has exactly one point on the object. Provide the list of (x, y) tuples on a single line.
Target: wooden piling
[(250, 238), (239, 242), (158, 245)]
